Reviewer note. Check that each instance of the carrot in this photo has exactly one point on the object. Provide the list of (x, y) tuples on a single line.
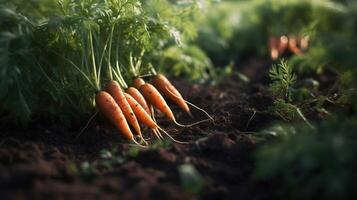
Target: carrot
[(114, 89), (140, 112), (283, 44), (145, 118), (154, 97), (273, 47), (139, 98), (138, 82), (166, 88), (293, 47), (112, 112)]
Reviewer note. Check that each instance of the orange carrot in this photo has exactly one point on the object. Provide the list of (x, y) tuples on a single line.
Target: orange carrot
[(114, 89), (138, 82), (293, 46), (273, 47), (110, 109), (169, 91), (140, 112), (145, 118), (283, 44), (139, 98), (154, 97)]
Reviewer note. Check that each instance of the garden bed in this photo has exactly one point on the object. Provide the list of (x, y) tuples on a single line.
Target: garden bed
[(48, 162), (34, 161)]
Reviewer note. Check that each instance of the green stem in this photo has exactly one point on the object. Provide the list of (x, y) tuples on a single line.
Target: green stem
[(304, 118), (118, 72), (110, 52), (96, 79), (132, 67), (152, 69), (77, 68), (54, 85), (139, 61)]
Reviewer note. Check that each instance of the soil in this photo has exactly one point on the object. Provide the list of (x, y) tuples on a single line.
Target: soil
[(44, 161)]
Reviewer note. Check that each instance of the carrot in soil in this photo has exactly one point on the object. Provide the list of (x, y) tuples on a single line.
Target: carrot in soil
[(112, 112), (153, 96), (145, 118), (139, 98), (168, 90), (114, 89), (137, 83)]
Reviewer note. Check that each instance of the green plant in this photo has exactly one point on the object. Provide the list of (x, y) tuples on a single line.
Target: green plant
[(56, 54), (283, 79), (185, 60), (311, 164)]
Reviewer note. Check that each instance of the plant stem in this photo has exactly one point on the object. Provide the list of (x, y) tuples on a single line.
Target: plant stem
[(118, 72), (110, 52), (95, 74), (131, 64), (304, 118)]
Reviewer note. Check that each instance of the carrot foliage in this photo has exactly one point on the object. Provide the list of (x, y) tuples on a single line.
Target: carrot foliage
[(55, 54)]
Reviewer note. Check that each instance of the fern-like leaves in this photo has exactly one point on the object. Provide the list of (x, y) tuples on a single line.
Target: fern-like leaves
[(283, 79)]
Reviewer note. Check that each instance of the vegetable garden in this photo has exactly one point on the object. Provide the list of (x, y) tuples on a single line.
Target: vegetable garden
[(178, 99)]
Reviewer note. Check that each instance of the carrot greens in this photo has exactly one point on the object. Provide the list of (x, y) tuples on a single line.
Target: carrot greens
[(55, 54)]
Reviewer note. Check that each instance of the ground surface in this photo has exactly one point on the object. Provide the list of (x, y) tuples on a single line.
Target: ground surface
[(41, 161)]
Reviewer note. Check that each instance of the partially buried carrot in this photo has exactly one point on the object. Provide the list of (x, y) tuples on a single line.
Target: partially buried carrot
[(168, 90), (154, 97), (112, 112), (139, 98), (114, 89)]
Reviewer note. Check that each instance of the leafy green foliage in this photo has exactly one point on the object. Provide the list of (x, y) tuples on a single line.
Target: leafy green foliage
[(189, 61), (16, 63), (284, 110), (311, 164), (283, 79), (55, 55), (237, 30)]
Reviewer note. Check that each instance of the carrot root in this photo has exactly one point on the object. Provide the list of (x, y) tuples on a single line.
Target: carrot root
[(168, 135), (137, 143), (198, 108), (157, 134), (87, 124)]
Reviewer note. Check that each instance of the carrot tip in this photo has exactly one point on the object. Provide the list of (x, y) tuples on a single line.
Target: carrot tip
[(137, 143), (190, 114)]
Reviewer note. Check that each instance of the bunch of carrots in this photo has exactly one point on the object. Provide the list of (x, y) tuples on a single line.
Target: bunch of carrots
[(134, 105), (296, 45)]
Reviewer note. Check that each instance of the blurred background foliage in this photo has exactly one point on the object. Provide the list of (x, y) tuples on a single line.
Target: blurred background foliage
[(311, 164)]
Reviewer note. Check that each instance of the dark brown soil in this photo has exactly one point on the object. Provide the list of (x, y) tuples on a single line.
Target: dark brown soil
[(44, 162)]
